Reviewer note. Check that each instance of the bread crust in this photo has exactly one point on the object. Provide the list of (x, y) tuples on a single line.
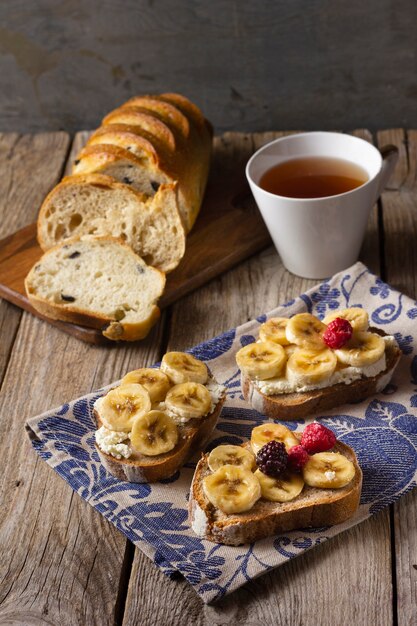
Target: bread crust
[(111, 328), (312, 509), (193, 437), (293, 406)]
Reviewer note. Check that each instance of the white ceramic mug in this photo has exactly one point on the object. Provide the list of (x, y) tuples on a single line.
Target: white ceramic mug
[(317, 237)]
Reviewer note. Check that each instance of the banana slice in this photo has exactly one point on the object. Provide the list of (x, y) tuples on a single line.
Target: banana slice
[(357, 317), (123, 405), (231, 455), (362, 349), (232, 489), (306, 331), (155, 382), (282, 489), (261, 360), (181, 367), (328, 470), (154, 433), (290, 349), (309, 367), (274, 330), (272, 432), (188, 400)]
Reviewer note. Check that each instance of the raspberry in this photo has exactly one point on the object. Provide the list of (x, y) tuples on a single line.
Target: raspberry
[(297, 458), (317, 438), (337, 333), (272, 458)]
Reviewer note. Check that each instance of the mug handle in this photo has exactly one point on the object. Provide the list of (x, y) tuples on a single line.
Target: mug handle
[(389, 155)]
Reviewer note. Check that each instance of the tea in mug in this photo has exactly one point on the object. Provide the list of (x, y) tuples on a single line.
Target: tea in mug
[(313, 177)]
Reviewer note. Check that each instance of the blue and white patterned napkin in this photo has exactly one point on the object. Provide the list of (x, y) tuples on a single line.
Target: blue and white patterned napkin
[(382, 430)]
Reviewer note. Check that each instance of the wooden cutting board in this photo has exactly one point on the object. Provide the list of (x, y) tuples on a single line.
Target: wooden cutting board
[(228, 230)]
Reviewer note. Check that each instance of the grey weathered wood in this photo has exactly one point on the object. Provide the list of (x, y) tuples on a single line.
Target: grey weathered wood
[(305, 590), (400, 228), (251, 66)]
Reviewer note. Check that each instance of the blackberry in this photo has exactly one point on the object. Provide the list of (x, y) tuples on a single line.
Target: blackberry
[(272, 459)]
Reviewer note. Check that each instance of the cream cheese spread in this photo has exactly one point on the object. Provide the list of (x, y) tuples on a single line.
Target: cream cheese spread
[(113, 442), (346, 375), (199, 523)]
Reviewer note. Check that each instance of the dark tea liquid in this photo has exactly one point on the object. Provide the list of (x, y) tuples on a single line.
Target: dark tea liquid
[(313, 177)]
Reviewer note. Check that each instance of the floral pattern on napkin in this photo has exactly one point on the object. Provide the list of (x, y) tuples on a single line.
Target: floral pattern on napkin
[(382, 430)]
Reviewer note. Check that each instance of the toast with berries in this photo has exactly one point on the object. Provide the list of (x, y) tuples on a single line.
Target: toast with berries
[(157, 418), (237, 497), (301, 366)]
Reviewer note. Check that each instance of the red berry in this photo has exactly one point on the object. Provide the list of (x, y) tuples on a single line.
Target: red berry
[(297, 458), (317, 438), (337, 333)]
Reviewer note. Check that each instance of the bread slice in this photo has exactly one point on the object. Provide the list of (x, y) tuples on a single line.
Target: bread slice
[(97, 282), (313, 508), (131, 138), (98, 205), (291, 406), (166, 111), (150, 121), (143, 175), (193, 437)]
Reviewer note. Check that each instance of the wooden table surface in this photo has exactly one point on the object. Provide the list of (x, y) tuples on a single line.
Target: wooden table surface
[(61, 562)]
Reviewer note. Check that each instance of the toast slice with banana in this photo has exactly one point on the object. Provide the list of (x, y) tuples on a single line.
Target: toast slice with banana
[(300, 365), (277, 482), (157, 418)]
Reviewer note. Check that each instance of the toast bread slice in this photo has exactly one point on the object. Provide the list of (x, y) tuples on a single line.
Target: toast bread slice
[(97, 282), (313, 508), (291, 406), (139, 468)]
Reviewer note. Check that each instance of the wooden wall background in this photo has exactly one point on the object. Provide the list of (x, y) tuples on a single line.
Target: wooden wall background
[(251, 65)]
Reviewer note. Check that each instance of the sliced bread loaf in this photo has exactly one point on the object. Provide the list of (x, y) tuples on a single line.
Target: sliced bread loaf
[(181, 148), (97, 282), (98, 205)]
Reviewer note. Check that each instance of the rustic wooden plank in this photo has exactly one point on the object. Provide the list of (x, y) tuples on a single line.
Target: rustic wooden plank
[(400, 232), (17, 189), (65, 561), (302, 591)]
